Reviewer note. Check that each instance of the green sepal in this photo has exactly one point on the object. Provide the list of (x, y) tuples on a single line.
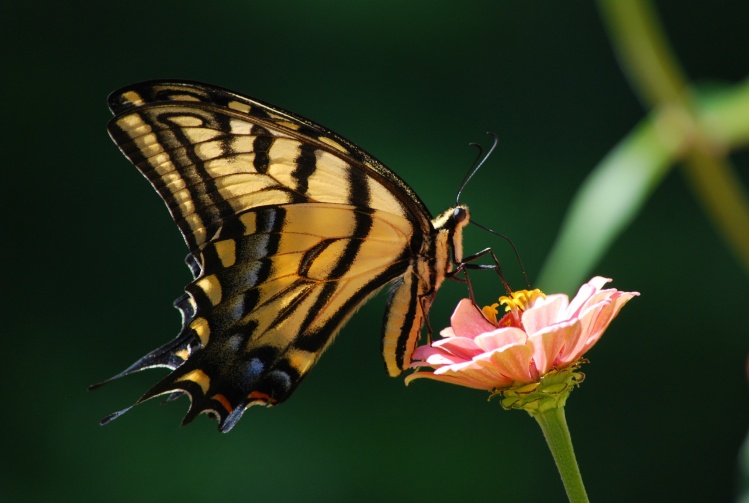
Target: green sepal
[(550, 392)]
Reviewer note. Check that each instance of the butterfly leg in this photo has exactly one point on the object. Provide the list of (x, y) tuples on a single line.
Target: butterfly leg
[(425, 302), (466, 280), (468, 263)]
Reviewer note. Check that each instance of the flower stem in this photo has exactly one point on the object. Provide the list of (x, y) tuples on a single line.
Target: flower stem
[(554, 425)]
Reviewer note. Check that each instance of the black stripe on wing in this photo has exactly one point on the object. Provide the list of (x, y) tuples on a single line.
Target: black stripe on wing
[(194, 93)]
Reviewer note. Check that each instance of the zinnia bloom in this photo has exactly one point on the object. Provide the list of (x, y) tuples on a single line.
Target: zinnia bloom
[(539, 336)]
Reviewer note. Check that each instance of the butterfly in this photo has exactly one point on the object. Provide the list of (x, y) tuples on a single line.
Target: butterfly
[(290, 228)]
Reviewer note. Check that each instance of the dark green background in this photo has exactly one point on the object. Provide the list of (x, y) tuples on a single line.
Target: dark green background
[(91, 260)]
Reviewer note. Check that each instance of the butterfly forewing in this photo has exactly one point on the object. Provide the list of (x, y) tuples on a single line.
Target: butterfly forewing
[(290, 228)]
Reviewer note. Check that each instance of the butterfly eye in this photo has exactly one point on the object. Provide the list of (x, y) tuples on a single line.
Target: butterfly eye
[(459, 214)]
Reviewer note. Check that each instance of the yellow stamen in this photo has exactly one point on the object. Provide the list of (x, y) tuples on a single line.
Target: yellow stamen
[(521, 300), (490, 312)]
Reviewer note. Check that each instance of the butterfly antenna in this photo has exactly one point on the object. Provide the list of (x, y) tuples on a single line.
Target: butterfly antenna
[(514, 249), (480, 160)]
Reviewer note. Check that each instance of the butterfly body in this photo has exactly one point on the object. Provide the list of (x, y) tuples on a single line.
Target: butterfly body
[(290, 229)]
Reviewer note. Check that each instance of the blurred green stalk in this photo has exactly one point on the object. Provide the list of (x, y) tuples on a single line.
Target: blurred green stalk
[(698, 127)]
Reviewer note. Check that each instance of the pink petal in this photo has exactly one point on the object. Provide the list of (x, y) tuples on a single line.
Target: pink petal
[(489, 374), (594, 320), (468, 321), (544, 313), (550, 346), (620, 299), (459, 379), (479, 370), (583, 295), (597, 298), (604, 315), (447, 332), (500, 338), (439, 360), (424, 353), (460, 347), (513, 363)]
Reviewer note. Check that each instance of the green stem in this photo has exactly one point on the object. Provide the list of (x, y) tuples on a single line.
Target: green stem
[(554, 426)]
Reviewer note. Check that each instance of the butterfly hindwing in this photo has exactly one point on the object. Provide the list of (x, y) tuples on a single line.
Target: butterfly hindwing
[(290, 228)]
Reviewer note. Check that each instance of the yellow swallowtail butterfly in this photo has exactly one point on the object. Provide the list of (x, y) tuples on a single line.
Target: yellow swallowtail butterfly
[(290, 228)]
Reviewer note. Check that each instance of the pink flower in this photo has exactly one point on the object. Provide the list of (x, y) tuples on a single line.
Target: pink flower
[(539, 334)]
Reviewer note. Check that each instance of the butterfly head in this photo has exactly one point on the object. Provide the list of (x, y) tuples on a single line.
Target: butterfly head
[(449, 226)]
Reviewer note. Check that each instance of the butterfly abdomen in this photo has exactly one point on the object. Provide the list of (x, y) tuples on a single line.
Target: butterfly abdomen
[(412, 295)]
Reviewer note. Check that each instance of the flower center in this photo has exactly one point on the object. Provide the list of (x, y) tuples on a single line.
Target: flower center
[(521, 299), (515, 304)]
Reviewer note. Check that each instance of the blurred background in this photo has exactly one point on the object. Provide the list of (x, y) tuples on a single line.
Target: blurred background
[(92, 260)]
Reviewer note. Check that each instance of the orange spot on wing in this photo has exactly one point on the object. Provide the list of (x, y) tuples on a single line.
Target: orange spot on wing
[(258, 396), (223, 401)]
